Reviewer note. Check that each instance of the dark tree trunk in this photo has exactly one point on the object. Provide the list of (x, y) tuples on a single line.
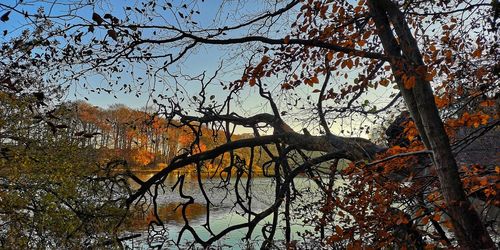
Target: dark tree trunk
[(468, 228)]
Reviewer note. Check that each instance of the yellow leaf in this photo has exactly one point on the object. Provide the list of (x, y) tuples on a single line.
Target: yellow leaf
[(411, 137)]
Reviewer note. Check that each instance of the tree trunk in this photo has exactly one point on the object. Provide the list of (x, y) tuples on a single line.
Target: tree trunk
[(467, 225)]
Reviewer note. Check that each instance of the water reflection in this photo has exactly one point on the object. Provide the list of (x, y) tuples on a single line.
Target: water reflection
[(223, 212), (169, 213)]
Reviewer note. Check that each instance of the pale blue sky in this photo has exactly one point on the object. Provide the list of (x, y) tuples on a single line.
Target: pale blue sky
[(203, 58)]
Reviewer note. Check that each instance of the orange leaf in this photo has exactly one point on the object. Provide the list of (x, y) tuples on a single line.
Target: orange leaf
[(308, 82), (410, 82), (487, 103), (252, 81), (329, 55), (429, 246), (437, 217), (484, 181), (448, 224), (367, 34), (314, 79), (349, 63), (477, 53), (440, 102), (448, 54)]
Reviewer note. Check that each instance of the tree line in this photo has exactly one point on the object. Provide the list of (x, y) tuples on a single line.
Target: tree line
[(146, 140)]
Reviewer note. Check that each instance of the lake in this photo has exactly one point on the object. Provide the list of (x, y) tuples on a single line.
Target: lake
[(223, 213)]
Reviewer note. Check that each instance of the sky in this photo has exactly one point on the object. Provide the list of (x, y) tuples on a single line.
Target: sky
[(205, 58)]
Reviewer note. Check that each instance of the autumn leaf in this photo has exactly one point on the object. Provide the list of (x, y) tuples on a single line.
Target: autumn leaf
[(113, 34), (265, 59), (429, 76), (329, 55), (384, 82), (440, 101), (483, 182), (448, 54), (97, 18), (487, 103), (339, 230), (477, 53), (314, 80), (425, 220), (252, 81), (410, 82), (448, 224), (419, 212), (5, 17), (286, 86), (349, 63), (436, 217), (286, 40)]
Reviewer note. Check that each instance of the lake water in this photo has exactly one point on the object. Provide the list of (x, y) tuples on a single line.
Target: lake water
[(223, 213)]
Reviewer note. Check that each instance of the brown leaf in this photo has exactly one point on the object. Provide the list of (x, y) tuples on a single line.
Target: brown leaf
[(252, 81), (5, 17), (286, 40), (329, 55), (113, 34), (349, 63), (96, 18)]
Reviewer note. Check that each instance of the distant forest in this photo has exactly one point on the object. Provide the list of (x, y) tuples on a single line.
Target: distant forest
[(144, 140)]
